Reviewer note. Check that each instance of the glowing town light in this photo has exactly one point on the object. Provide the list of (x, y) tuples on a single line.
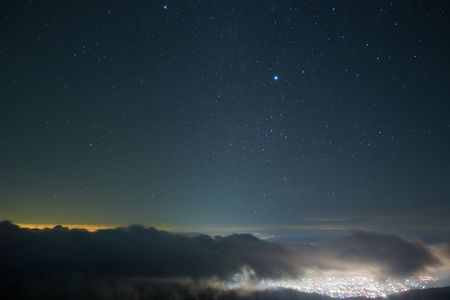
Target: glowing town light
[(341, 285)]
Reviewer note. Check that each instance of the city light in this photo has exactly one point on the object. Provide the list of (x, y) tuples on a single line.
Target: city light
[(339, 285)]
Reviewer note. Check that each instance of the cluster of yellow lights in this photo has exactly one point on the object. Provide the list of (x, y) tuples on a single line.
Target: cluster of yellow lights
[(342, 285)]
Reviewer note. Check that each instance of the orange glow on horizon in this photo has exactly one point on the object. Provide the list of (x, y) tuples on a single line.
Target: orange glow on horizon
[(88, 227), (92, 227)]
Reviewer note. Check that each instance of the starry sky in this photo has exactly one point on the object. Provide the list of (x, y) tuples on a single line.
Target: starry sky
[(225, 113)]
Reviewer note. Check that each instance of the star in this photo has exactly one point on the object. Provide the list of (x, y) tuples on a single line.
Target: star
[(276, 77)]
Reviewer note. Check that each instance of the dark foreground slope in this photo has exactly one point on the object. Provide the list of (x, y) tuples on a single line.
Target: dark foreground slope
[(426, 294), (138, 290), (434, 294)]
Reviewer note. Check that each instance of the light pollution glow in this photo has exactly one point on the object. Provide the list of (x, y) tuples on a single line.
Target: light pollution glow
[(87, 227)]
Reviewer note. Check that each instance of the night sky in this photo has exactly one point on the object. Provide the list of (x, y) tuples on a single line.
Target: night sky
[(225, 113)]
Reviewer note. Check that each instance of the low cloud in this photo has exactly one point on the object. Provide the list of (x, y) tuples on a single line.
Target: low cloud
[(35, 261)]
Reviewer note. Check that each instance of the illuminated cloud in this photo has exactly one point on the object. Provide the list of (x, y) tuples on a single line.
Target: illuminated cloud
[(390, 254)]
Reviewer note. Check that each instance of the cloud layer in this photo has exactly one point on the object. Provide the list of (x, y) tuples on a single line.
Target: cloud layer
[(42, 259), (139, 251)]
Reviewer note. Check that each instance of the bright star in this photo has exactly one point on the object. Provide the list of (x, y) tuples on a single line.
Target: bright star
[(275, 77)]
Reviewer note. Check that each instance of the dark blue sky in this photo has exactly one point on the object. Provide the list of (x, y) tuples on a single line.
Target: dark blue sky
[(212, 113)]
